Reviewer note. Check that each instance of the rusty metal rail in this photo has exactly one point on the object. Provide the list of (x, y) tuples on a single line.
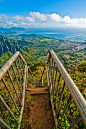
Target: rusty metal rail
[(64, 94), (13, 79)]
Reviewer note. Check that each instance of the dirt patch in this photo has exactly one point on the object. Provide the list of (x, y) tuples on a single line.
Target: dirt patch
[(37, 113)]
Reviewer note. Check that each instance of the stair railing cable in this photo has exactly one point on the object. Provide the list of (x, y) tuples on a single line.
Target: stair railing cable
[(13, 81), (64, 95)]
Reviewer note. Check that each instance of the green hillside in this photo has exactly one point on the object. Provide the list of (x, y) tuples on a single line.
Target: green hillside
[(9, 46), (32, 47)]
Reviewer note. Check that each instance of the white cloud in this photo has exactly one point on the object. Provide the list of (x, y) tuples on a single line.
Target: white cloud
[(4, 16), (55, 17), (23, 19), (33, 16), (11, 24), (42, 17), (30, 19), (66, 19), (18, 18), (14, 24)]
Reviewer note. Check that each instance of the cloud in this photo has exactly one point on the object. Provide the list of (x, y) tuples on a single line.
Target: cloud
[(66, 19), (73, 21), (55, 17), (18, 18), (30, 19), (13, 24), (23, 19), (33, 16), (4, 16), (42, 17)]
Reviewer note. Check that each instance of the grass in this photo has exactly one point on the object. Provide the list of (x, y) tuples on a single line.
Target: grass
[(49, 40), (46, 40)]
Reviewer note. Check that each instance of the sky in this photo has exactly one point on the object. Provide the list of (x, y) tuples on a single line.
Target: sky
[(43, 13)]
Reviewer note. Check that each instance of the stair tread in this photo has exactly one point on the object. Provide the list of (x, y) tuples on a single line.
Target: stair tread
[(37, 90)]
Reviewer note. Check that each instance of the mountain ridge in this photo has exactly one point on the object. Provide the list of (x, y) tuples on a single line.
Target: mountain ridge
[(9, 46)]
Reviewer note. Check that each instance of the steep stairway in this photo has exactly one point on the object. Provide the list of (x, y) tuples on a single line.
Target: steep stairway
[(37, 112), (22, 89)]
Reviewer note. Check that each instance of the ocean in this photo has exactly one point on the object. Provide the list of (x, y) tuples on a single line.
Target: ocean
[(72, 34)]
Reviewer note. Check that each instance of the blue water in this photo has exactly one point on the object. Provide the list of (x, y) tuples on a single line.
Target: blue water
[(72, 34)]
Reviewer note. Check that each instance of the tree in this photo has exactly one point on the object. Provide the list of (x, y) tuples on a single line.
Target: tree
[(82, 66)]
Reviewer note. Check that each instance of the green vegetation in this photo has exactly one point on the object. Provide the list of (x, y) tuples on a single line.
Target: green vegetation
[(49, 40), (33, 47), (79, 53), (30, 46), (82, 66), (4, 113), (72, 61)]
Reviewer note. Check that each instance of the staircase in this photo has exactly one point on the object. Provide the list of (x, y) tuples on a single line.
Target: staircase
[(19, 85), (37, 109)]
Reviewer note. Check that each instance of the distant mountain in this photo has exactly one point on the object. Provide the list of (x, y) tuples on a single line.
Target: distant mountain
[(32, 47), (12, 29), (9, 46)]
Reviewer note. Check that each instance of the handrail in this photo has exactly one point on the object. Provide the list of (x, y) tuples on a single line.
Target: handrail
[(7, 65), (23, 97), (75, 93), (54, 67), (16, 66)]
